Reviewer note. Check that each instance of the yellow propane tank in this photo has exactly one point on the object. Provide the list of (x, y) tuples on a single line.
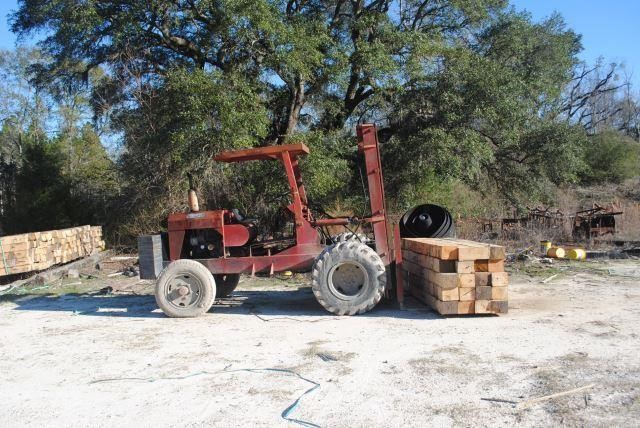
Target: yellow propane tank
[(555, 252), (544, 246), (576, 254)]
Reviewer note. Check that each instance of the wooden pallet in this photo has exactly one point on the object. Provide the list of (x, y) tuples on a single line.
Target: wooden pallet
[(455, 276), (40, 250)]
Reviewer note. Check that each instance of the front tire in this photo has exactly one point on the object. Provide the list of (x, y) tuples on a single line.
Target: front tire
[(185, 289), (349, 278)]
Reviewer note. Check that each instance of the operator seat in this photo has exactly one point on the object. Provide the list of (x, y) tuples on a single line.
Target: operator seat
[(244, 220)]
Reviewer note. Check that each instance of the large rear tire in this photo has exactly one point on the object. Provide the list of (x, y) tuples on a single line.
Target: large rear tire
[(226, 283), (185, 289), (349, 278), (347, 236)]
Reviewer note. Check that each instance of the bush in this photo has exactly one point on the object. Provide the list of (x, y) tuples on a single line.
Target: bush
[(60, 182), (611, 157), (42, 197)]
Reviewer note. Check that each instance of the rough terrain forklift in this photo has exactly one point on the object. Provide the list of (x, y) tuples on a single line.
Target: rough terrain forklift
[(203, 253)]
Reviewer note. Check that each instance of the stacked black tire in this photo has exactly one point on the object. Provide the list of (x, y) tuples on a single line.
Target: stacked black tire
[(427, 221)]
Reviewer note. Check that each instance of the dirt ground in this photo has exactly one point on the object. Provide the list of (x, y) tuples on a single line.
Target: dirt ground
[(86, 359)]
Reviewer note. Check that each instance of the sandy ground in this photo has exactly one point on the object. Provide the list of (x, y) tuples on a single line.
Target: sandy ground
[(89, 360)]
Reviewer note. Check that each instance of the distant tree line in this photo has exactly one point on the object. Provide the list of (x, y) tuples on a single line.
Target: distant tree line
[(468, 94)]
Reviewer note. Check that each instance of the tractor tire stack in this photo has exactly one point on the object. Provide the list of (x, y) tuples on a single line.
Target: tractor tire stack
[(427, 221)]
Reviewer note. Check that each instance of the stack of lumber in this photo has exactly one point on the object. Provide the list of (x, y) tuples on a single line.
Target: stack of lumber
[(40, 250), (455, 276)]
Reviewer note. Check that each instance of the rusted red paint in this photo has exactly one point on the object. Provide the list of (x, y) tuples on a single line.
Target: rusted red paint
[(300, 256), (397, 249), (368, 145)]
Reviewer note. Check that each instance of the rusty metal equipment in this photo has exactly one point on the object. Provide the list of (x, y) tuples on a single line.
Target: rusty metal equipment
[(595, 222), (585, 224), (208, 250), (536, 218)]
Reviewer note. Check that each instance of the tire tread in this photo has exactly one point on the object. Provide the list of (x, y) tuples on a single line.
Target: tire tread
[(348, 250)]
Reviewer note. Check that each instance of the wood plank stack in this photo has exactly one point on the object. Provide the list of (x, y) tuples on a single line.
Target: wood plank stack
[(455, 276), (41, 250)]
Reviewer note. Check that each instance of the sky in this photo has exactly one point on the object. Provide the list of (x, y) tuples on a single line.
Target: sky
[(609, 29)]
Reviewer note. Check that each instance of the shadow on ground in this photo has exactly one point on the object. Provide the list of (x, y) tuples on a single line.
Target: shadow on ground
[(265, 304)]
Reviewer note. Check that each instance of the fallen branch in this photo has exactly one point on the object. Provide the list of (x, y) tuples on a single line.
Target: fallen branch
[(257, 315), (527, 403), (58, 271), (500, 400)]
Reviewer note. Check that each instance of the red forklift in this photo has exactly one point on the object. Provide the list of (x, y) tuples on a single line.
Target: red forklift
[(351, 272)]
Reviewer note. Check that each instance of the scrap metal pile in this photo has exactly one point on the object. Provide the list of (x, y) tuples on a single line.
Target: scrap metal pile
[(595, 222), (585, 224)]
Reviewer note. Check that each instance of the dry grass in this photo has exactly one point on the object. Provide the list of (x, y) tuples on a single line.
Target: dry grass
[(568, 200), (628, 224), (516, 239)]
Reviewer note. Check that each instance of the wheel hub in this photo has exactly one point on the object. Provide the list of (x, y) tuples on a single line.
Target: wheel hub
[(347, 280), (184, 290)]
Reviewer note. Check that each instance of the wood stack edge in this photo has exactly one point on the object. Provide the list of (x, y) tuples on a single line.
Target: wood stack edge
[(455, 276), (40, 250)]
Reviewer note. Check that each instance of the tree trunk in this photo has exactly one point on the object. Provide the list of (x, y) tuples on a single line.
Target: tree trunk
[(297, 100), (351, 102)]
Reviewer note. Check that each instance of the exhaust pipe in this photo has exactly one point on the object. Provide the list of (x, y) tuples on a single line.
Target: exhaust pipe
[(192, 197)]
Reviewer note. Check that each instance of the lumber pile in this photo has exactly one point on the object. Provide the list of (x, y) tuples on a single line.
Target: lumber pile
[(455, 276), (41, 250)]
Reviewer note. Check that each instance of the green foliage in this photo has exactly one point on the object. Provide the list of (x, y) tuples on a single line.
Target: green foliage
[(62, 180), (42, 198), (611, 157), (326, 169), (60, 183), (458, 197), (335, 56), (90, 173), (191, 117), (483, 112), (469, 92), (23, 109)]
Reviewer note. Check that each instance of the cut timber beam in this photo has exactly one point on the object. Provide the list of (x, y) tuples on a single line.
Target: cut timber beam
[(489, 266), (448, 249), (491, 307), (41, 250), (444, 280), (455, 276)]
